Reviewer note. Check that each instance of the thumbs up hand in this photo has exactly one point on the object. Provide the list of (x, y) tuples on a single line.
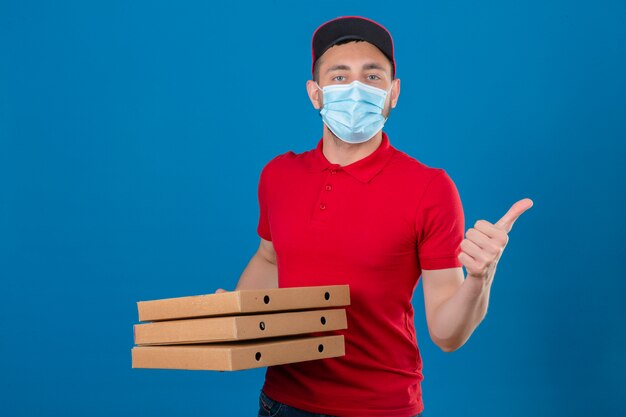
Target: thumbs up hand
[(485, 242)]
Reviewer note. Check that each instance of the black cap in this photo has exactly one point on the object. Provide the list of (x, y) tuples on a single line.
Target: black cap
[(352, 27)]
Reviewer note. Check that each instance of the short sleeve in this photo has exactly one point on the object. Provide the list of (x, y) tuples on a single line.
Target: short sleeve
[(440, 224), (263, 228)]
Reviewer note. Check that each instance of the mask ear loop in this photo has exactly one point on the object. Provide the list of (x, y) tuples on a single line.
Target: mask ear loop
[(388, 92), (322, 90)]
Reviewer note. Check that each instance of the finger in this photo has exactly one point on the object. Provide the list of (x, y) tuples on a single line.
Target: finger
[(469, 263), (473, 250), (498, 238), (489, 229), (506, 222), (478, 237), (220, 290)]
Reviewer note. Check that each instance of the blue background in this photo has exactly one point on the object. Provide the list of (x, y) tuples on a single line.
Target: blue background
[(132, 135)]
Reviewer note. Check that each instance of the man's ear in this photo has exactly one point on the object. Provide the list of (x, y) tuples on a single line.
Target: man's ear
[(395, 92), (315, 95)]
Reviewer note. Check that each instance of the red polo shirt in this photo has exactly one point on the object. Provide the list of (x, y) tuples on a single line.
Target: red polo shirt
[(373, 224)]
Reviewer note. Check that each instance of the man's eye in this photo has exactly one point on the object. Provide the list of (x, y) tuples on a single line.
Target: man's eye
[(373, 77), (339, 78)]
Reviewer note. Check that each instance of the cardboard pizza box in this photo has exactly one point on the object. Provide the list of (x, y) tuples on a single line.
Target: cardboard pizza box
[(244, 301), (238, 355), (231, 328)]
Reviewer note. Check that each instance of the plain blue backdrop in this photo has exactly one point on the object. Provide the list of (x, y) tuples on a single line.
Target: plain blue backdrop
[(132, 134)]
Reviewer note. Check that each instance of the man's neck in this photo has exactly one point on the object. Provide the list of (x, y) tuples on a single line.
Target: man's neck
[(343, 153)]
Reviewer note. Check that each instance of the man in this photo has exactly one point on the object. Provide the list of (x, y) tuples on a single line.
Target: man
[(357, 211)]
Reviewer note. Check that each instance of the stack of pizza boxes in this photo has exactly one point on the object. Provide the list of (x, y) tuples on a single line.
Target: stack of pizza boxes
[(241, 329)]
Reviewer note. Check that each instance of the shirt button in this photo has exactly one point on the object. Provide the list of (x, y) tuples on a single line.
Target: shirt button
[(322, 206), (328, 188), (333, 171)]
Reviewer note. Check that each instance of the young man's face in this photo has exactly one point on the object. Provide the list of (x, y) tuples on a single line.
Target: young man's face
[(362, 61)]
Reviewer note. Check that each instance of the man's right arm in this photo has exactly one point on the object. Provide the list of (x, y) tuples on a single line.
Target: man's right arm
[(261, 271)]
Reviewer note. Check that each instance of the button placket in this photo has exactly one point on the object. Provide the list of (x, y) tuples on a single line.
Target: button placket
[(325, 200)]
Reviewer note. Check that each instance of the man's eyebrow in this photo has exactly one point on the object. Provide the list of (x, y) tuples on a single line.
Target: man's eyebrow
[(368, 66), (373, 65), (338, 67)]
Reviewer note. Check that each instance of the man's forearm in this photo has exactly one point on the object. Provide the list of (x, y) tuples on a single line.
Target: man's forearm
[(456, 319)]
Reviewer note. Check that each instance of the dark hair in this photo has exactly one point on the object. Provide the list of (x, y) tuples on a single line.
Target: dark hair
[(316, 67)]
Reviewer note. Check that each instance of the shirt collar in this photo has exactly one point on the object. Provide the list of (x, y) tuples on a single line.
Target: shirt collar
[(364, 169)]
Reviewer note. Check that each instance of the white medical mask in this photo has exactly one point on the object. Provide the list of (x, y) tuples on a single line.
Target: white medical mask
[(353, 112)]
